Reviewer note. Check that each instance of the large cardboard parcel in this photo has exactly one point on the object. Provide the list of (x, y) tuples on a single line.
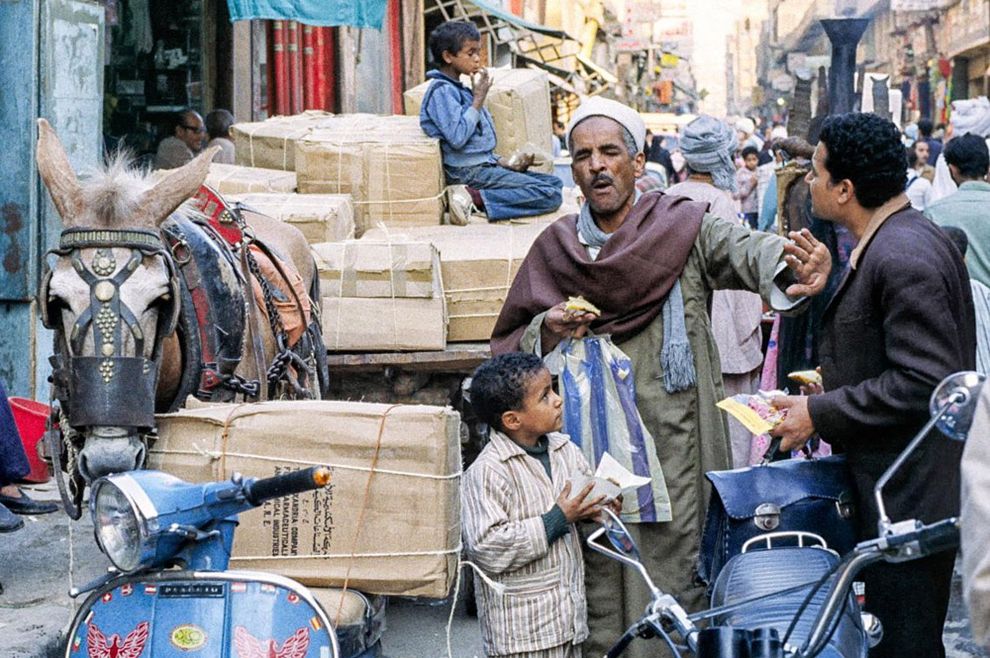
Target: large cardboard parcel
[(234, 179), (371, 268), (478, 263), (387, 164), (320, 217), (388, 522), (519, 101), (271, 143), (383, 320)]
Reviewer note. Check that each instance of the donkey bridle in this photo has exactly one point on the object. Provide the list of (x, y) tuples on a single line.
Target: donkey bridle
[(109, 389)]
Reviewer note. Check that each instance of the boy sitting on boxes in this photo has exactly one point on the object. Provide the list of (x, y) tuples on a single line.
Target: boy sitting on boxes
[(518, 514), (457, 117)]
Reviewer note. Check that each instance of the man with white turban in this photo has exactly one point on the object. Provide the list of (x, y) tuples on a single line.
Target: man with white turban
[(708, 146), (969, 116), (649, 262)]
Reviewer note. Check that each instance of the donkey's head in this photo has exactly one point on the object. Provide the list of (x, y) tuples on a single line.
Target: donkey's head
[(111, 296)]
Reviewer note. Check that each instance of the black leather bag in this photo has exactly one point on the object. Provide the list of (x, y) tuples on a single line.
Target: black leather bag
[(793, 495)]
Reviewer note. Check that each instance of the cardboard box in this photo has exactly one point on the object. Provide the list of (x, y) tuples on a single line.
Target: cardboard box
[(478, 263), (391, 169), (519, 101), (234, 179), (368, 268), (399, 538), (320, 217), (368, 324), (271, 144)]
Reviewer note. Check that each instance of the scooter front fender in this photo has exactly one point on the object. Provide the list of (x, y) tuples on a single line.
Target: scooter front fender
[(231, 614)]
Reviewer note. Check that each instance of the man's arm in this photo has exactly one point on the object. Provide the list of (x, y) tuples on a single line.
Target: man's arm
[(780, 271), (455, 122), (921, 343)]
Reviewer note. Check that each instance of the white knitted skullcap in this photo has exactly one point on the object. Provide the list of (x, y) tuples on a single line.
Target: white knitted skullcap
[(624, 115)]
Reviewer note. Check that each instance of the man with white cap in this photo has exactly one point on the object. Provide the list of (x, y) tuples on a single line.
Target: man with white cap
[(969, 116), (650, 262)]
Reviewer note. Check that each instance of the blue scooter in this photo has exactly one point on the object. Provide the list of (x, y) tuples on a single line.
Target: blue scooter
[(170, 593)]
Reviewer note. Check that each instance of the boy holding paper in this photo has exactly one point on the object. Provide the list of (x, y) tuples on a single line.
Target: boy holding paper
[(518, 512)]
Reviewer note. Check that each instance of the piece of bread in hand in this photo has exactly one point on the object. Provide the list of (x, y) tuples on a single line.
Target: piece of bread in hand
[(805, 377), (577, 305)]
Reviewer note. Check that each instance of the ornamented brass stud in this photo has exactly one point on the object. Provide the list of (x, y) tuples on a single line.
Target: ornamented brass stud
[(104, 263)]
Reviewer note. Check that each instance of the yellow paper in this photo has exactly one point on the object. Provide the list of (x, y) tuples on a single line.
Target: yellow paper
[(748, 417)]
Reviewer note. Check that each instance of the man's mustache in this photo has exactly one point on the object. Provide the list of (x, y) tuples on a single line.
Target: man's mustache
[(602, 178)]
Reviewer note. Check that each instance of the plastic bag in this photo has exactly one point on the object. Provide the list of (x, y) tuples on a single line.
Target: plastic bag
[(600, 415)]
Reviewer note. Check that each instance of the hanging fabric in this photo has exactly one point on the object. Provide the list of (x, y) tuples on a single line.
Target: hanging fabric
[(353, 13)]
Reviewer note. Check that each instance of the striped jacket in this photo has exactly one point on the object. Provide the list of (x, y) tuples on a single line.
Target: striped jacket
[(504, 493)]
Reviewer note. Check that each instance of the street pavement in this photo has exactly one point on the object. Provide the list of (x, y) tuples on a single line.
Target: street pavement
[(39, 563)]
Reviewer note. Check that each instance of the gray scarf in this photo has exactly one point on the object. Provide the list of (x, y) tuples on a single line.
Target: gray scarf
[(708, 146), (676, 358)]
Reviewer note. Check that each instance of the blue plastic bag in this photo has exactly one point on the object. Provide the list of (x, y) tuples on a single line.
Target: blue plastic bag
[(600, 415)]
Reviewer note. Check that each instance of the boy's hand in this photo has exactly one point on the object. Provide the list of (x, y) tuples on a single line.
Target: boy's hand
[(481, 82), (579, 507)]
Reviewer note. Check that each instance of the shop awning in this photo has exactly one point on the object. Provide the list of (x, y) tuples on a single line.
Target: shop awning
[(324, 13), (531, 44)]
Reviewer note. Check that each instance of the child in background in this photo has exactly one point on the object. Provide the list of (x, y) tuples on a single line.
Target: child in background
[(457, 117), (518, 514), (746, 184)]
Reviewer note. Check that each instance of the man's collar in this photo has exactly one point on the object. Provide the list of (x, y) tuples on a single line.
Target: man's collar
[(506, 448), (975, 185), (894, 205)]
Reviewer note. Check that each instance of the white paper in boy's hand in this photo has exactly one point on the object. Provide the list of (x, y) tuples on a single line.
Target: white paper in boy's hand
[(611, 479)]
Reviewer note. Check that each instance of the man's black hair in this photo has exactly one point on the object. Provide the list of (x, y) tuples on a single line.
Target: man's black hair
[(969, 154), (180, 119), (866, 150), (958, 237), (499, 385), (750, 150), (449, 37), (924, 128), (218, 123), (912, 156)]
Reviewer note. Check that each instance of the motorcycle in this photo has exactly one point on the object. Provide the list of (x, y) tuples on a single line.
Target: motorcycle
[(798, 600), (170, 593)]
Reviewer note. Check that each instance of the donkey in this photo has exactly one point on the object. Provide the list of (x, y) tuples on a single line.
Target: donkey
[(114, 297)]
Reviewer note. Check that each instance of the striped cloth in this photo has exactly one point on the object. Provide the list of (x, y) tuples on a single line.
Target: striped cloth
[(503, 496)]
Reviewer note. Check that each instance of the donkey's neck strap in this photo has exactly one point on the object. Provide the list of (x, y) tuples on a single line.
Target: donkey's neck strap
[(84, 238)]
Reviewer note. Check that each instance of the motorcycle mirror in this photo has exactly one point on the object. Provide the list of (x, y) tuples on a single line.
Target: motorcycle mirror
[(618, 535), (954, 403)]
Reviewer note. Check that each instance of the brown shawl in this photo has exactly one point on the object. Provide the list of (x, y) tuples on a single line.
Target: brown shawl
[(628, 281)]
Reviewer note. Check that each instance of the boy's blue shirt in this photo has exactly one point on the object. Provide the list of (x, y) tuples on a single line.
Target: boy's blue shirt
[(467, 136)]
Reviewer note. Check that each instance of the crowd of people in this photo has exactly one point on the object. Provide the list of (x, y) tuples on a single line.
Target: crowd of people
[(870, 291)]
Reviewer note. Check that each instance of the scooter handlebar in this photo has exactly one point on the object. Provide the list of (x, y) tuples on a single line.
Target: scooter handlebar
[(931, 539), (259, 491)]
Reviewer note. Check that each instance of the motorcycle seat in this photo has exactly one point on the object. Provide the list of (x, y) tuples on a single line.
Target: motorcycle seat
[(759, 572)]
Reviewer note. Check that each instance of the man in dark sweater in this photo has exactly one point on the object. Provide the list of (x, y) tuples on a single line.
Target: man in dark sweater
[(901, 321)]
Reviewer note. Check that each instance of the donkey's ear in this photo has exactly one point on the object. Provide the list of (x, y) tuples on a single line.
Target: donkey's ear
[(174, 189), (58, 175)]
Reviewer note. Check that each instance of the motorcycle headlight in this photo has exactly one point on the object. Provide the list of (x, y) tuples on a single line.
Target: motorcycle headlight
[(121, 526)]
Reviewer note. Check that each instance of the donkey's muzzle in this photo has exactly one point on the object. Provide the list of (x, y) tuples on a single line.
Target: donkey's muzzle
[(117, 391), (102, 456)]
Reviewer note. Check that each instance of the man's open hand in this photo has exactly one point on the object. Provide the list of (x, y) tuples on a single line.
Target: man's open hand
[(579, 507), (810, 261), (559, 323)]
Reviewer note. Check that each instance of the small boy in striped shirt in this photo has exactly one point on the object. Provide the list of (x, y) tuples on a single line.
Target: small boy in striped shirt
[(518, 514)]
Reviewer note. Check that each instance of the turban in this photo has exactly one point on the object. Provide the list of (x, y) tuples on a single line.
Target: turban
[(971, 116), (746, 125), (708, 146), (624, 115)]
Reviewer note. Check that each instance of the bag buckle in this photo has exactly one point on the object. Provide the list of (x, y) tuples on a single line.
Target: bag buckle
[(767, 517), (845, 506)]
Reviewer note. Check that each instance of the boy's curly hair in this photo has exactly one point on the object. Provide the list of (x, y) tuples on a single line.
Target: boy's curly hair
[(499, 385), (450, 37), (866, 150)]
